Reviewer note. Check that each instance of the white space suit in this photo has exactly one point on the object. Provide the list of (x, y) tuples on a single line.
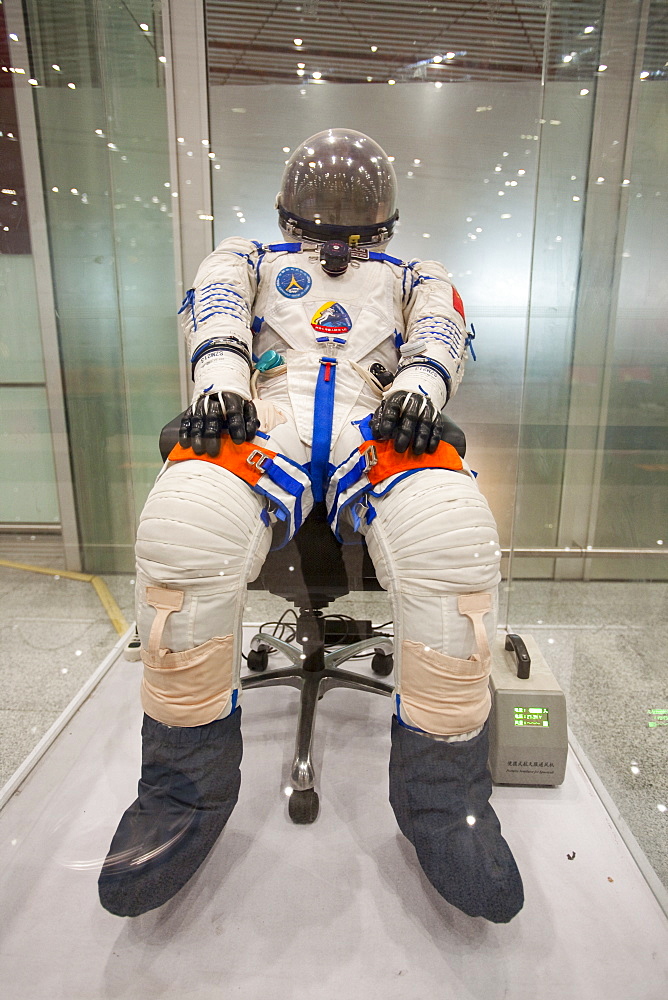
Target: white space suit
[(206, 526)]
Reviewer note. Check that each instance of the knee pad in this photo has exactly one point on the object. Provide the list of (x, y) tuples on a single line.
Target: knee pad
[(435, 547), (447, 695), (189, 688)]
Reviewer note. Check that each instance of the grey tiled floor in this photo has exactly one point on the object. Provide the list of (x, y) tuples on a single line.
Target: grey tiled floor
[(54, 633), (605, 642)]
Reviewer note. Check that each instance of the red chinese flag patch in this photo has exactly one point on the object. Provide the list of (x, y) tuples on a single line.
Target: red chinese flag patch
[(457, 303)]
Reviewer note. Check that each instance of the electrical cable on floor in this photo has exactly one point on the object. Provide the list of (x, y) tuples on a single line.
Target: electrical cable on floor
[(279, 631)]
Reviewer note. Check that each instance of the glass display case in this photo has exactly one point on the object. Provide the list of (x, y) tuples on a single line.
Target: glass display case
[(530, 145)]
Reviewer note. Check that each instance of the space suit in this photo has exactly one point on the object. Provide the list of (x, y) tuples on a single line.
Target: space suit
[(292, 348)]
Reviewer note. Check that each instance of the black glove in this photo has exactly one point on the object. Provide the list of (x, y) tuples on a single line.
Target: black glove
[(201, 427), (409, 418)]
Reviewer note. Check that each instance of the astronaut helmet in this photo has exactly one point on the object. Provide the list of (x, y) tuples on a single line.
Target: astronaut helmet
[(338, 185)]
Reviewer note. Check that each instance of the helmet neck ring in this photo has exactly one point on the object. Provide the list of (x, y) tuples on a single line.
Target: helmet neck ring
[(379, 232)]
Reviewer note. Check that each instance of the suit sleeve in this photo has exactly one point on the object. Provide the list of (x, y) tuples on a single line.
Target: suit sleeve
[(433, 354), (218, 308)]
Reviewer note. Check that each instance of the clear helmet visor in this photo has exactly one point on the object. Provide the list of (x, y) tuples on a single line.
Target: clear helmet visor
[(339, 179)]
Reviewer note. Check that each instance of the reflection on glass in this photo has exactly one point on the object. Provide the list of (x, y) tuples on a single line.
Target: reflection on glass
[(103, 137)]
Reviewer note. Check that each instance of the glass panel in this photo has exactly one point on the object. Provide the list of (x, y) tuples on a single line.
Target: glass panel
[(593, 443), (461, 124), (633, 496), (102, 118), (26, 455), (20, 344), (28, 493)]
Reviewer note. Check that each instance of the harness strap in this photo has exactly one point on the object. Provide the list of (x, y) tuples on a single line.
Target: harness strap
[(245, 460), (268, 473), (323, 416), (165, 602), (381, 460), (475, 607)]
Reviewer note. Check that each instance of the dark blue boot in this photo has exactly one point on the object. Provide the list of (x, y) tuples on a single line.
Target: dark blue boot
[(440, 795), (188, 788)]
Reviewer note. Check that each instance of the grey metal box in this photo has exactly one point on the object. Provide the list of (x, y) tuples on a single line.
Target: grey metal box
[(528, 726)]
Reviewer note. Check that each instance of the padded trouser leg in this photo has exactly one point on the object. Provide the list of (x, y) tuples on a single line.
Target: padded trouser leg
[(189, 786), (440, 795)]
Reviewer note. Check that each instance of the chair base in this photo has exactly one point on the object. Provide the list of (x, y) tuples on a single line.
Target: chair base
[(314, 672)]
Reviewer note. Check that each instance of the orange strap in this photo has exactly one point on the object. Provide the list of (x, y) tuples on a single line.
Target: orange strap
[(384, 461), (245, 460)]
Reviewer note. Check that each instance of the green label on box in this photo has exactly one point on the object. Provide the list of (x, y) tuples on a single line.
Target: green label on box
[(657, 717), (532, 716)]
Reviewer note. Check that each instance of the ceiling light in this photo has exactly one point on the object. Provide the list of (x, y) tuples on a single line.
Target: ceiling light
[(374, 48), (391, 82), (297, 41), (438, 59), (602, 68), (588, 30), (450, 55)]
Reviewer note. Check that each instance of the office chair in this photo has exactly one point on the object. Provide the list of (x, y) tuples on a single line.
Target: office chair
[(311, 571)]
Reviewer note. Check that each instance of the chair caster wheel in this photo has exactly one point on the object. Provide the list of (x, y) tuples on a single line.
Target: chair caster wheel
[(303, 806), (258, 659), (382, 664)]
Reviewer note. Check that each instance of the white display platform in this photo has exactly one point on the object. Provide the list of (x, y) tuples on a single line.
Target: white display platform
[(337, 909)]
